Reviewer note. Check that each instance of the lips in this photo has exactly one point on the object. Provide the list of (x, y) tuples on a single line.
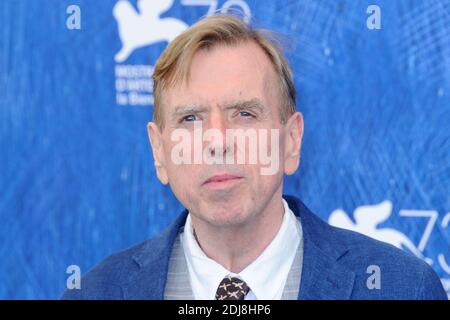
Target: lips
[(221, 178)]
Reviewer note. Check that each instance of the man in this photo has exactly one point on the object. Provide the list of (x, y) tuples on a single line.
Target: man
[(239, 237)]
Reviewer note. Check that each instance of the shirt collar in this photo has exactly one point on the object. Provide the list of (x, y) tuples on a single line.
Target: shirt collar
[(266, 276)]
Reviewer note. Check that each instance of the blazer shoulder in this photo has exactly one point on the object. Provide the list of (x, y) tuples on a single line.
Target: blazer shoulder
[(106, 279), (402, 274), (117, 273)]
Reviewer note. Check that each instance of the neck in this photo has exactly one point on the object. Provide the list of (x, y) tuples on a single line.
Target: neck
[(235, 247)]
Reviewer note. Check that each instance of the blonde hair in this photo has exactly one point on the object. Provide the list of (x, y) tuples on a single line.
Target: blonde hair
[(174, 63)]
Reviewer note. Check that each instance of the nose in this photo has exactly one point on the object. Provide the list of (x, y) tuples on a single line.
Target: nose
[(218, 143)]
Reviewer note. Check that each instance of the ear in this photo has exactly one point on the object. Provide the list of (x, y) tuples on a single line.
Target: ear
[(293, 143), (156, 142)]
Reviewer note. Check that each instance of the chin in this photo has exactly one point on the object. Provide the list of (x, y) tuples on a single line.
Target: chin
[(226, 218)]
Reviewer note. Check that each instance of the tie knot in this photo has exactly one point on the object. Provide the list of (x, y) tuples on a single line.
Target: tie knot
[(232, 288)]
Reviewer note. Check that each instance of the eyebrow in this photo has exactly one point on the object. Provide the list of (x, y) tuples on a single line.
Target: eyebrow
[(189, 109), (254, 104)]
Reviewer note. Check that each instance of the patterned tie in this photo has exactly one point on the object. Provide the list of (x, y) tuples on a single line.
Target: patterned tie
[(232, 288)]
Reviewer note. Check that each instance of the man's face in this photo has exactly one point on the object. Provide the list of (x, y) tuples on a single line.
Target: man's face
[(229, 88)]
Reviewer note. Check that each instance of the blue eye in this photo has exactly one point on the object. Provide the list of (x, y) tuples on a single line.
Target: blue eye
[(188, 118), (245, 114)]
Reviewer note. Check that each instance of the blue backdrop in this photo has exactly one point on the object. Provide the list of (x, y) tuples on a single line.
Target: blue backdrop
[(77, 181)]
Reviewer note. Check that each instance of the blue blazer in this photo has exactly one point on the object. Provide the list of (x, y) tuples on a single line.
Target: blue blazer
[(335, 266)]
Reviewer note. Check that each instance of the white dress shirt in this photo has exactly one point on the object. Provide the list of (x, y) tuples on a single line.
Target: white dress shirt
[(266, 276)]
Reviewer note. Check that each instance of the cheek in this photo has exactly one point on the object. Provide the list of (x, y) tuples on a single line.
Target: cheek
[(182, 182), (261, 183), (182, 174)]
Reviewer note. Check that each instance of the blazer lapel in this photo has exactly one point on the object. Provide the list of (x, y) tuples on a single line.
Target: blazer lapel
[(153, 260), (323, 276)]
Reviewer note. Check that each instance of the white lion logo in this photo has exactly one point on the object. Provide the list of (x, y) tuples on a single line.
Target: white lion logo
[(367, 218), (140, 29)]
